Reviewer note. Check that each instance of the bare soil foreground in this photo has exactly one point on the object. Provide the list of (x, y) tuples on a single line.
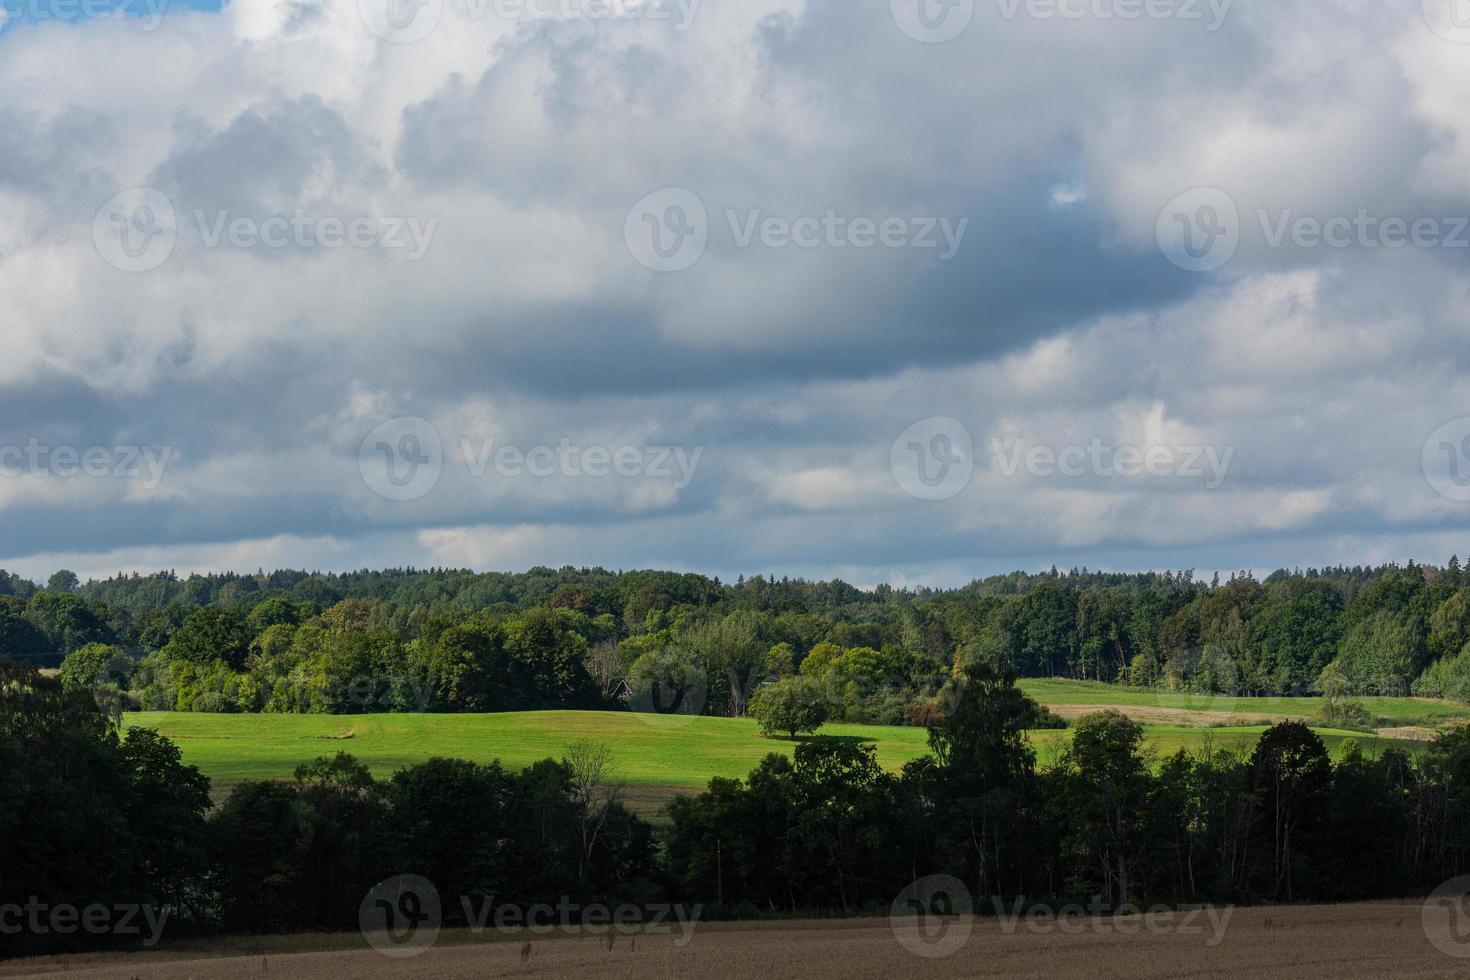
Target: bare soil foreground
[(1379, 940)]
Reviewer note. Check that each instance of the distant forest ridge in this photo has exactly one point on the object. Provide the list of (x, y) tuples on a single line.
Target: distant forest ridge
[(476, 590), (455, 640)]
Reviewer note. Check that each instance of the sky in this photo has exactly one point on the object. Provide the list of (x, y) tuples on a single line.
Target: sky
[(905, 291)]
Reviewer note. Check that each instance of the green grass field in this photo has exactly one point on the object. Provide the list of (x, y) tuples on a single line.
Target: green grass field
[(1399, 711), (650, 751), (659, 756)]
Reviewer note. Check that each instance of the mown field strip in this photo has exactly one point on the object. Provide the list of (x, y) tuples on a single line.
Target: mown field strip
[(1401, 711)]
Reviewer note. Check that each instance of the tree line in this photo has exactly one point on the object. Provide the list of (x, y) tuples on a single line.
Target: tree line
[(92, 816), (829, 828), (445, 640)]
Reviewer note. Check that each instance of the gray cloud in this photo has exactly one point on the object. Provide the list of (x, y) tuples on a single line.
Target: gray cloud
[(528, 319)]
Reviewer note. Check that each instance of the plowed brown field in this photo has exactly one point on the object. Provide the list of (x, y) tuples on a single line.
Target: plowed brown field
[(1327, 942)]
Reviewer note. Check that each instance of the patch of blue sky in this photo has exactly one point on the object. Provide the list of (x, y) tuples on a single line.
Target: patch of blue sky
[(18, 14)]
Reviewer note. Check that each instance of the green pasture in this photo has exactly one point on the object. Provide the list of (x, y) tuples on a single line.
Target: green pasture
[(649, 750), (1398, 711)]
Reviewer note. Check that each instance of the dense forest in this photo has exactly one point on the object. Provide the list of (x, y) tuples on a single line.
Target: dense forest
[(98, 819), (447, 640)]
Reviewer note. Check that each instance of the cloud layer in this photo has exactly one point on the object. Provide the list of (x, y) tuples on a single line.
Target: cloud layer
[(865, 231)]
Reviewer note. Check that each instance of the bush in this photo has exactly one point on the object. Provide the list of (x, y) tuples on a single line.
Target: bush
[(791, 705), (926, 714), (1047, 719), (1343, 713)]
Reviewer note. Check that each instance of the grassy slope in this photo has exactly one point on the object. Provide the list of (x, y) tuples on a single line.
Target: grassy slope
[(1403, 711), (650, 750)]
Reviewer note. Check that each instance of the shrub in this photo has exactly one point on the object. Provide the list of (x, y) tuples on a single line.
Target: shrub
[(791, 705)]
